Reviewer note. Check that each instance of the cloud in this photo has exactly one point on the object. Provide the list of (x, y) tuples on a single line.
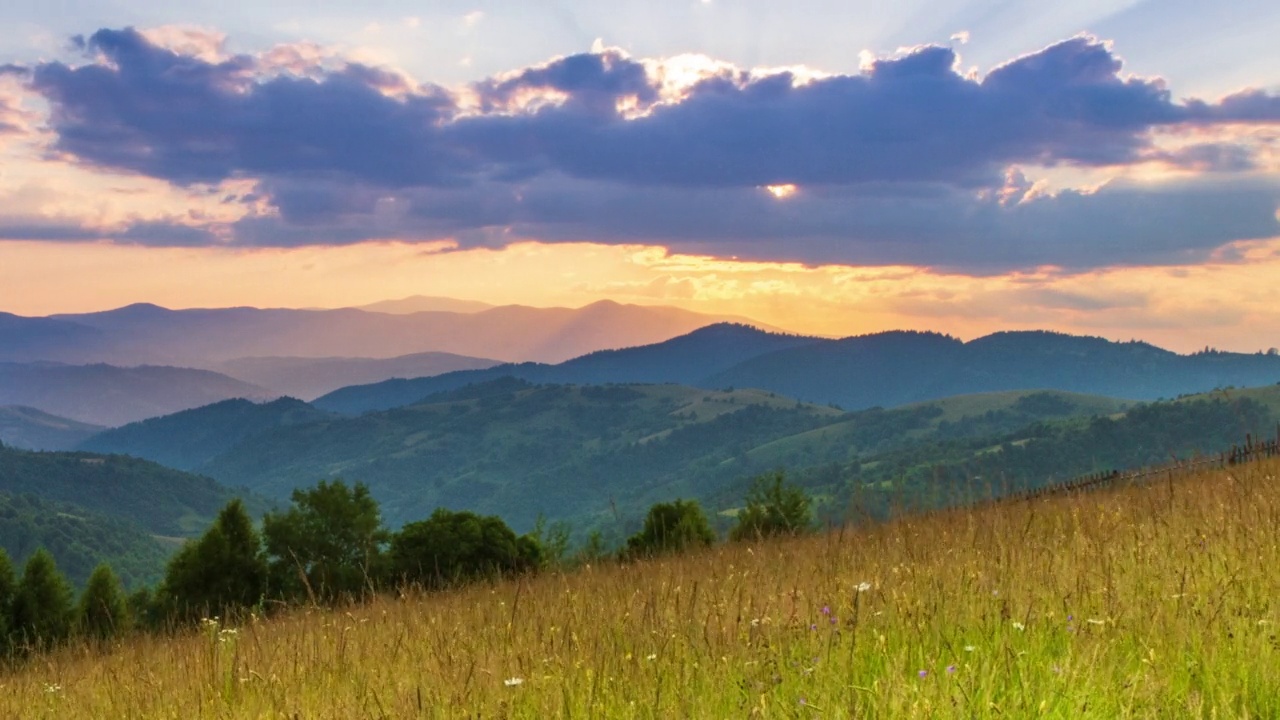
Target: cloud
[(907, 162)]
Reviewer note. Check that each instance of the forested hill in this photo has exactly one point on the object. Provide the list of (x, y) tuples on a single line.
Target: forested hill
[(189, 439), (886, 369), (161, 500), (80, 539)]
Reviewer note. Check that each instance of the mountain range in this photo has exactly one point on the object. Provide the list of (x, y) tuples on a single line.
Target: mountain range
[(149, 334), (108, 395), (884, 369)]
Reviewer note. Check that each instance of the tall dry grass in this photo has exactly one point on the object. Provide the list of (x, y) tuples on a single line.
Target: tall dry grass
[(1156, 601)]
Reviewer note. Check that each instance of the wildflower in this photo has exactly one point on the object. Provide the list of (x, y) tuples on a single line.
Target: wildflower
[(513, 681), (813, 626), (651, 656), (1018, 626), (923, 673), (969, 648), (951, 669), (52, 688), (826, 609), (864, 586)]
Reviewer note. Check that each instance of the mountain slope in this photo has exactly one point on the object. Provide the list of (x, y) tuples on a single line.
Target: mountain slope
[(684, 360), (109, 395), (27, 428), (189, 439), (311, 377), (517, 450), (161, 500), (79, 540)]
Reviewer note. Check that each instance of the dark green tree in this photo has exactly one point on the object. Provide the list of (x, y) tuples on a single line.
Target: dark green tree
[(222, 572), (774, 507), (103, 612), (671, 527), (42, 609), (452, 547), (328, 545), (8, 587)]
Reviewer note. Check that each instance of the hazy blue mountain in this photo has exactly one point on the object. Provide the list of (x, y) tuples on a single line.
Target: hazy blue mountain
[(26, 339), (311, 377), (687, 359), (148, 334), (110, 396), (30, 429), (884, 369), (189, 439), (890, 369)]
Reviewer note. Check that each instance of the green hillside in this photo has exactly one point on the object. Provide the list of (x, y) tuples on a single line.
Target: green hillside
[(519, 450), (187, 440), (947, 471), (80, 539), (159, 499)]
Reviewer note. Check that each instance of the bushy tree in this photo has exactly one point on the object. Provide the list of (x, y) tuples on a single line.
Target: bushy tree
[(451, 547), (222, 572), (42, 609), (774, 507), (328, 545), (671, 527), (103, 612)]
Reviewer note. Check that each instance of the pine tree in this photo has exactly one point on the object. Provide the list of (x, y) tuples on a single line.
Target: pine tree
[(102, 613), (222, 572), (42, 604)]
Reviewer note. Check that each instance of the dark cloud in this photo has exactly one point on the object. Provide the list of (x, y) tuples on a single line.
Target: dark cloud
[(153, 111), (901, 164)]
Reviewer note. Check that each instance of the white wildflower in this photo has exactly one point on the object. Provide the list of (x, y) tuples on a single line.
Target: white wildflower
[(513, 681), (1018, 626), (652, 656), (969, 648), (52, 688), (864, 586)]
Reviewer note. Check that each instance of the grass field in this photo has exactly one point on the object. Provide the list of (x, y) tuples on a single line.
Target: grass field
[(1151, 602)]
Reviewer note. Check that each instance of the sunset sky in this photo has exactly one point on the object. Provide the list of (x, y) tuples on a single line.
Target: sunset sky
[(1105, 167)]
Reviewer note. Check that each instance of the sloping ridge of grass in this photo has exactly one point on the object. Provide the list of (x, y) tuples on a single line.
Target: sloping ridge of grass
[(1146, 601)]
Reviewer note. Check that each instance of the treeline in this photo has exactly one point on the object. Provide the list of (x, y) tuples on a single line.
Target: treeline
[(331, 547)]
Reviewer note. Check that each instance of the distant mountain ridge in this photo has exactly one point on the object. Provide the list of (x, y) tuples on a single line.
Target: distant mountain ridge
[(308, 378), (149, 334), (884, 369), (27, 428), (108, 395)]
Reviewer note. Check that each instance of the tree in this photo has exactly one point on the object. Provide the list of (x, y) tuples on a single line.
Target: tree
[(774, 507), (452, 547), (222, 572), (103, 612), (42, 604), (328, 545), (8, 587), (671, 527)]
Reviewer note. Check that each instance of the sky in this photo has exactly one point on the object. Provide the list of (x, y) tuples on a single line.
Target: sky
[(1107, 168)]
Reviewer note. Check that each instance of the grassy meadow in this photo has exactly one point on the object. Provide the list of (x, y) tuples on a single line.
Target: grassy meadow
[(1160, 601)]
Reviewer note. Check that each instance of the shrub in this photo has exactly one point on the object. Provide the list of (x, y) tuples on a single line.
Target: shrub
[(671, 527), (774, 507)]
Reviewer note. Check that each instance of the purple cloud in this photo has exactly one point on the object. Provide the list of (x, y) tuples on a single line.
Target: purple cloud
[(897, 164)]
